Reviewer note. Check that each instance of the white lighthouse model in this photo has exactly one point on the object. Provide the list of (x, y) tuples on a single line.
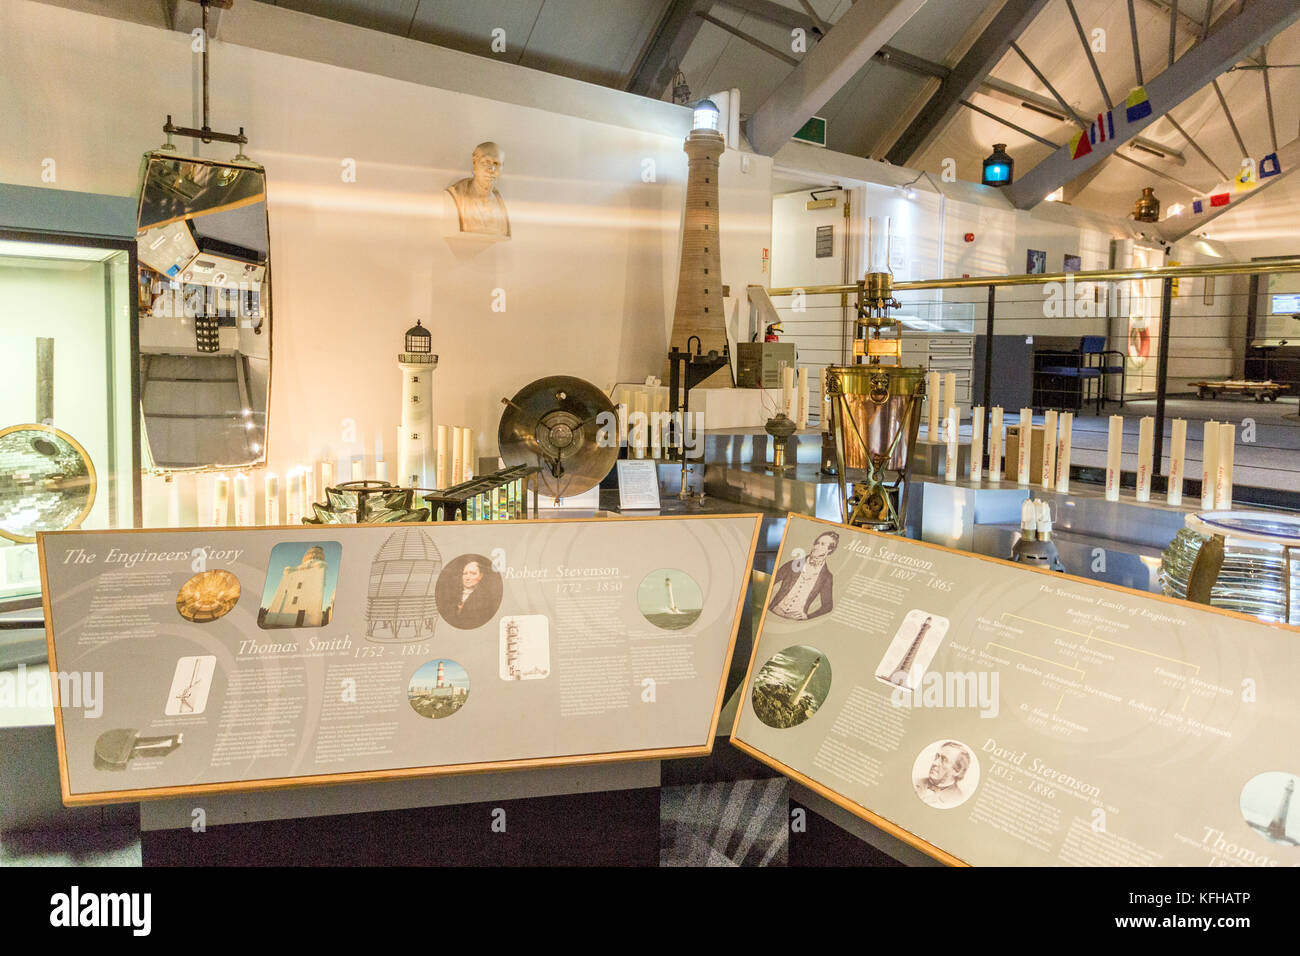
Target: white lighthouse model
[(415, 435)]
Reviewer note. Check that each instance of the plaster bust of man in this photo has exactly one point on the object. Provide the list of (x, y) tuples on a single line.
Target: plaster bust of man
[(478, 203)]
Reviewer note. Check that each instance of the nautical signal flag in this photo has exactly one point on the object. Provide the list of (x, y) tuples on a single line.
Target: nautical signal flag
[(1103, 129), (1198, 206), (1220, 199), (1270, 165), (1079, 145), (1245, 179), (1137, 106)]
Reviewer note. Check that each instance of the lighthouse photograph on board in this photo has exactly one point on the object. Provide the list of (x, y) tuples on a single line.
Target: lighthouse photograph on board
[(438, 688), (669, 599), (1269, 806), (791, 686), (908, 655), (300, 582)]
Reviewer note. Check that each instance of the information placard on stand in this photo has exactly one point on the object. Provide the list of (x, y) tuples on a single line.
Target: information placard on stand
[(638, 485), (209, 660), (988, 713)]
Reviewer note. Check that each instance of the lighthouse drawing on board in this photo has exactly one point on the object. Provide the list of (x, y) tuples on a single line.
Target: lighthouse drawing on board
[(415, 435)]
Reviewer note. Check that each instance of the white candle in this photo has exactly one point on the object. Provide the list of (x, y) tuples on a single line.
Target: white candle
[(358, 469), (976, 443), (1209, 464), (802, 419), (995, 445), (457, 450), (1146, 447), (381, 470), (173, 502), (622, 424), (243, 501), (1049, 450), (467, 463), (440, 470), (787, 391), (1114, 449), (656, 434), (293, 501), (326, 478), (1177, 461), (950, 462), (306, 491), (932, 391), (824, 405), (949, 393), (221, 501), (1063, 450), (1223, 484), (1026, 445), (272, 499)]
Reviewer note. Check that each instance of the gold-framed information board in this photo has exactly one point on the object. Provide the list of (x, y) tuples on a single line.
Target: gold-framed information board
[(208, 660), (992, 714)]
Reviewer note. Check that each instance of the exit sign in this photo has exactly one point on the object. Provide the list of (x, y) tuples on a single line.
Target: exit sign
[(813, 132)]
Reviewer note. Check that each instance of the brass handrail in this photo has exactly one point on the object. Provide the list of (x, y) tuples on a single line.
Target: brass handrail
[(1101, 275)]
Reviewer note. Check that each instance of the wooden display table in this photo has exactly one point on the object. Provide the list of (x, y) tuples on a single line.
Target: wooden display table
[(1261, 390)]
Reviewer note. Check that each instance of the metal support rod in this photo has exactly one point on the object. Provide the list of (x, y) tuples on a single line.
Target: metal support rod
[(1092, 60), (1241, 143), (1137, 50), (1010, 125), (1162, 376), (779, 54), (1288, 265), (1268, 97), (988, 376), (1066, 107), (821, 24), (1173, 32), (204, 5), (1195, 145)]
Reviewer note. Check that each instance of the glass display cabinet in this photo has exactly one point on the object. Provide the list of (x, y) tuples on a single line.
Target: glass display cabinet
[(69, 452)]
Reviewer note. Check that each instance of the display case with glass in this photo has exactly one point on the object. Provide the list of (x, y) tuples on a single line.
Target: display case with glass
[(68, 458)]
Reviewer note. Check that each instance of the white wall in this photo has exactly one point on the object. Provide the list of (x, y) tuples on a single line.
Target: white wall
[(588, 277)]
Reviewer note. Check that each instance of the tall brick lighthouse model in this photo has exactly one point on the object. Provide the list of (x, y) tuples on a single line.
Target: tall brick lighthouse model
[(699, 310)]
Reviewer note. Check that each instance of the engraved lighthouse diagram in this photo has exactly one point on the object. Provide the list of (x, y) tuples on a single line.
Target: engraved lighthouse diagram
[(415, 434), (699, 310)]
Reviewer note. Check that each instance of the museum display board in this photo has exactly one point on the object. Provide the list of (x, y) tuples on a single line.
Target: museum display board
[(205, 660), (992, 714)]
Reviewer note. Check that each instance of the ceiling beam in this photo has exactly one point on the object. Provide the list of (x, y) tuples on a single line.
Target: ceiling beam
[(852, 42), (1180, 227), (1256, 24), (965, 79), (752, 41), (663, 56)]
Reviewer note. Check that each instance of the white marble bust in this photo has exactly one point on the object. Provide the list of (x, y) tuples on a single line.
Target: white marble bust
[(478, 203)]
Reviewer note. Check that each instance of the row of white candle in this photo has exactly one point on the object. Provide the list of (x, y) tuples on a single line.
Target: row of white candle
[(454, 457), (1217, 460), (1058, 433)]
